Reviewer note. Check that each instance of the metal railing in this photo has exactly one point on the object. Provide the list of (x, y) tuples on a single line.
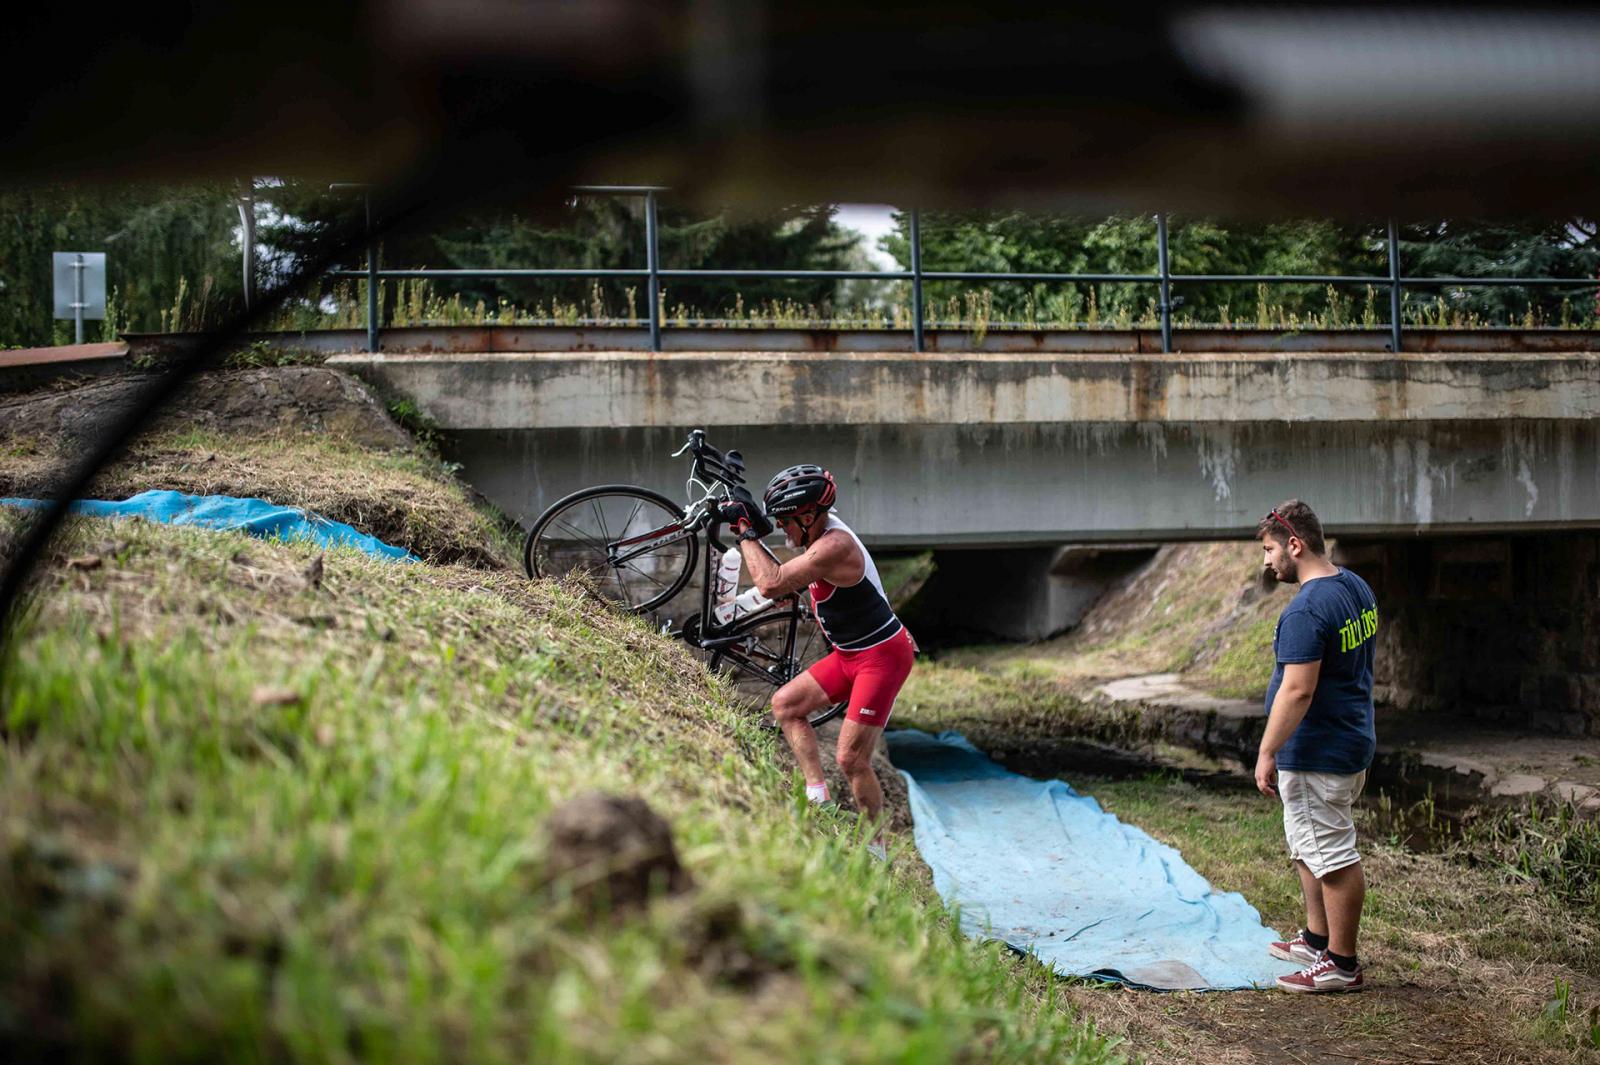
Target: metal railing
[(1164, 279)]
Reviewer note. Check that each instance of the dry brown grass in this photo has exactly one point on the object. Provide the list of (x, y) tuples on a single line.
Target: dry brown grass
[(401, 497)]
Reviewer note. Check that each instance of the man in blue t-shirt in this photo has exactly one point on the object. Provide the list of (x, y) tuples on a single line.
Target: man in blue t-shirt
[(1319, 741)]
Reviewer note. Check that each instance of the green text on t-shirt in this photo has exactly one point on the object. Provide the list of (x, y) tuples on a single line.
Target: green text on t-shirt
[(1356, 632)]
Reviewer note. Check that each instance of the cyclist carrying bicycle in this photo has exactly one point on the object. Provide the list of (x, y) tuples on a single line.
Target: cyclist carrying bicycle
[(872, 651)]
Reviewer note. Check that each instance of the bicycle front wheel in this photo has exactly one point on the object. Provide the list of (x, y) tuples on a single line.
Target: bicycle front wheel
[(629, 545), (759, 661)]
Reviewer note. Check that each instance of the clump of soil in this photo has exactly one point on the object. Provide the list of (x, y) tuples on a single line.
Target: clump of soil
[(612, 852)]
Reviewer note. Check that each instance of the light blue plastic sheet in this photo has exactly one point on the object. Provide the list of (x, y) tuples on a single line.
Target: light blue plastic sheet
[(254, 516), (1047, 871)]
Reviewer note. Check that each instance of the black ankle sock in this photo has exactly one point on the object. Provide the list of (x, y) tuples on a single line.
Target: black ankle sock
[(1314, 941), (1349, 964)]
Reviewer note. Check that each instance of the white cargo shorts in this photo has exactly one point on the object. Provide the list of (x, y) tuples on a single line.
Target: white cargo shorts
[(1317, 818)]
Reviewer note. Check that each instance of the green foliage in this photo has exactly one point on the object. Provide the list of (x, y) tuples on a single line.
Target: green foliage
[(1524, 248), (414, 420), (1552, 845), (587, 232), (174, 264), (1243, 662), (1561, 1022), (1017, 242), (259, 353)]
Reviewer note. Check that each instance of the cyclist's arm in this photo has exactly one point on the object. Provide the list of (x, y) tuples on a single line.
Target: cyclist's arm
[(832, 558)]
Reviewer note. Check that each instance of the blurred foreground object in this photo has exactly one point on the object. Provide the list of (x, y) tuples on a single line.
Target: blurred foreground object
[(1295, 108)]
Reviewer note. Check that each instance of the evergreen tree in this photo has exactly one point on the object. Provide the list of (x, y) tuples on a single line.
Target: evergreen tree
[(1017, 242), (1454, 248)]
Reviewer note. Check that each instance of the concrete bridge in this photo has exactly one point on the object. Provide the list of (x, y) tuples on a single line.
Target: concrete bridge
[(1035, 450), (1465, 487)]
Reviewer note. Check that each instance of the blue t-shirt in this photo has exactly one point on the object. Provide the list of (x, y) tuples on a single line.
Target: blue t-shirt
[(1332, 619)]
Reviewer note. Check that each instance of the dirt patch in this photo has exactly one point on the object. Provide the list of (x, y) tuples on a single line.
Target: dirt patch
[(1400, 1024), (244, 402)]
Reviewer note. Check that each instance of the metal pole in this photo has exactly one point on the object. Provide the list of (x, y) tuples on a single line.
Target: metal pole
[(77, 297), (372, 278), (1394, 288), (247, 225), (916, 282), (652, 262), (1164, 266)]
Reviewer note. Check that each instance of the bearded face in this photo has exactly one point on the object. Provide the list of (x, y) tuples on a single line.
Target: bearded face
[(1277, 558)]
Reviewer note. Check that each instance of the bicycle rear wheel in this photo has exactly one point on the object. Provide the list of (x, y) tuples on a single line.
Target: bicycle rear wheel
[(757, 664), (628, 544)]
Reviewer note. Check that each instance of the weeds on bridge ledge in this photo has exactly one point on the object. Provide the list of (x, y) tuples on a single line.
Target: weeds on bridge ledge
[(975, 311)]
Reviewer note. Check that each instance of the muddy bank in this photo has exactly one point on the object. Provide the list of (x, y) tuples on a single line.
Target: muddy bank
[(267, 400)]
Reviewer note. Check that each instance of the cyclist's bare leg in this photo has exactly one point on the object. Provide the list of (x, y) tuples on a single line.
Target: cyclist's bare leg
[(856, 744), (792, 704)]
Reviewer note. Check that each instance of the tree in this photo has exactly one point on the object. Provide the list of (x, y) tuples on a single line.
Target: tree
[(158, 241), (595, 232), (1455, 248), (1017, 242)]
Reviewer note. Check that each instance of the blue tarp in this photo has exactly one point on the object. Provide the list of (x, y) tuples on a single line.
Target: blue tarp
[(254, 516), (1044, 869)]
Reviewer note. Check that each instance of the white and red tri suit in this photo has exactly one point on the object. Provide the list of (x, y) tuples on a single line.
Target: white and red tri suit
[(872, 649)]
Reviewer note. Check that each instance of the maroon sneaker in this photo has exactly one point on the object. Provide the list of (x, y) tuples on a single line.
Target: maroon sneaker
[(1323, 977), (1297, 949)]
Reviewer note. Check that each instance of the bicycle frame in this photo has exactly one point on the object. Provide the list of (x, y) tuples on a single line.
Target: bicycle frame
[(700, 513)]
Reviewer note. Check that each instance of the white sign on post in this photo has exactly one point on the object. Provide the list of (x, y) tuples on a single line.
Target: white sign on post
[(80, 286)]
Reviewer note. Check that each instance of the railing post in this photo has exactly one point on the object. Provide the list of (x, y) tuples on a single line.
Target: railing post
[(1394, 287), (1164, 266), (916, 282), (78, 302), (372, 277), (652, 259)]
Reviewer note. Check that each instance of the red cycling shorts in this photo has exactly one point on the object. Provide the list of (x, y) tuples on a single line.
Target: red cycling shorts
[(869, 679)]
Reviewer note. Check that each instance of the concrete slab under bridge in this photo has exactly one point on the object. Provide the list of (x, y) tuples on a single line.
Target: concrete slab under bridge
[(1037, 450)]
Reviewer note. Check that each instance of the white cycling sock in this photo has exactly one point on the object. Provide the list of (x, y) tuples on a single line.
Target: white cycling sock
[(817, 792)]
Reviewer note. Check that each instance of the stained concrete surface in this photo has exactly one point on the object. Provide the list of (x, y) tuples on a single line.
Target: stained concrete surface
[(1014, 450)]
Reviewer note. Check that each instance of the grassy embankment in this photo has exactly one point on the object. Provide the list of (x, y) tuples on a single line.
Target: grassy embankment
[(1486, 952), (253, 810), (1197, 610)]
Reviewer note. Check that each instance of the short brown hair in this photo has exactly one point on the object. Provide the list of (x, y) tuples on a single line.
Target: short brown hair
[(1295, 515)]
